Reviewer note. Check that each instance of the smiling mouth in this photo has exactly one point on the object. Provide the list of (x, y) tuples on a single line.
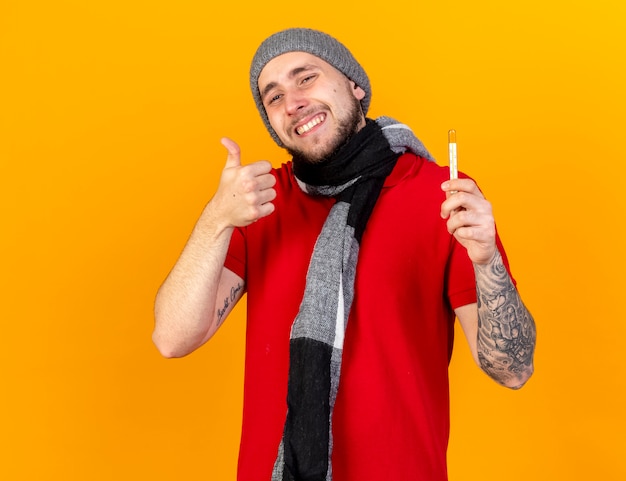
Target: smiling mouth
[(303, 129)]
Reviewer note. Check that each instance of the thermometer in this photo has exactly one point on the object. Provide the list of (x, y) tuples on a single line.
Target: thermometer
[(454, 169)]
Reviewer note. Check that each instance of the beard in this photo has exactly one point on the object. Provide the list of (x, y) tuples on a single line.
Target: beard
[(347, 127)]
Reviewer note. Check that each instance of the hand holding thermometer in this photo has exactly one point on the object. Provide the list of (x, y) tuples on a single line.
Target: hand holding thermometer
[(454, 170)]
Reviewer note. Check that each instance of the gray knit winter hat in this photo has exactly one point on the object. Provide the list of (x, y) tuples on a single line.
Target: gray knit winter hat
[(316, 43)]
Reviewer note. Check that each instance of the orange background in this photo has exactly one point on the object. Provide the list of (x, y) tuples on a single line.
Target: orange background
[(110, 119)]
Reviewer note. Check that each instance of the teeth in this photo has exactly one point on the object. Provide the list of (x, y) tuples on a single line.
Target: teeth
[(308, 126)]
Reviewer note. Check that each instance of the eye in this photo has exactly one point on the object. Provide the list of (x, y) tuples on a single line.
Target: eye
[(308, 79), (272, 99)]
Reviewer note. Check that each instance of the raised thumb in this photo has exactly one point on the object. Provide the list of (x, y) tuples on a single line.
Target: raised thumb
[(234, 154)]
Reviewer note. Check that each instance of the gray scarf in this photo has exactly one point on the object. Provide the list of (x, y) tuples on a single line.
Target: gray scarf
[(355, 176)]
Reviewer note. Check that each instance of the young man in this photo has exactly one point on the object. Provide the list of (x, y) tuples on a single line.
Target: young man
[(355, 257)]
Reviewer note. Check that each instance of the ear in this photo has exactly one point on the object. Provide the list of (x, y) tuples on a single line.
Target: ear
[(357, 91)]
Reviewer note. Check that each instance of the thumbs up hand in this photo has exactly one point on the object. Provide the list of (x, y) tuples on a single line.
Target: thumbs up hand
[(245, 192)]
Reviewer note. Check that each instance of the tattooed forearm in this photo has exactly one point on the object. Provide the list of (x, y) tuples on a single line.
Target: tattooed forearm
[(506, 330), (235, 293)]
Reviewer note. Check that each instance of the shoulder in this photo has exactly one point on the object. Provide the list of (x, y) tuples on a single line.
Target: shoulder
[(284, 170), (285, 180), (415, 177), (418, 172)]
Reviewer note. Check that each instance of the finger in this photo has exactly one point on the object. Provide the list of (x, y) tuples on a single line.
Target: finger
[(470, 226), (461, 185), (258, 168), (266, 209), (234, 154), (266, 181), (459, 219), (452, 204), (265, 196)]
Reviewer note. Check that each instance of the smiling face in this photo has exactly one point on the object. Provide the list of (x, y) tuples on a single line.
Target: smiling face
[(312, 106)]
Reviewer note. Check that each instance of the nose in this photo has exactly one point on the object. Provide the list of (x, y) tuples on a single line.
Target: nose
[(295, 100)]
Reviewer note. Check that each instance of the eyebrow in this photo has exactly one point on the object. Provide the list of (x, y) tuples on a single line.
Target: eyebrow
[(292, 74)]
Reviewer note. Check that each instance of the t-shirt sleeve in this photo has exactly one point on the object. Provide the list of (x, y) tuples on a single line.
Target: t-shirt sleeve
[(236, 255), (461, 280)]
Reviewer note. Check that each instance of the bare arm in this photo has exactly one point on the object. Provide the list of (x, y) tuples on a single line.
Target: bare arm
[(500, 330), (186, 306), (200, 292)]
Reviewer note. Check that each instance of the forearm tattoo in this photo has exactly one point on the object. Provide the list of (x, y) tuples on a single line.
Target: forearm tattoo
[(506, 330), (229, 300)]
